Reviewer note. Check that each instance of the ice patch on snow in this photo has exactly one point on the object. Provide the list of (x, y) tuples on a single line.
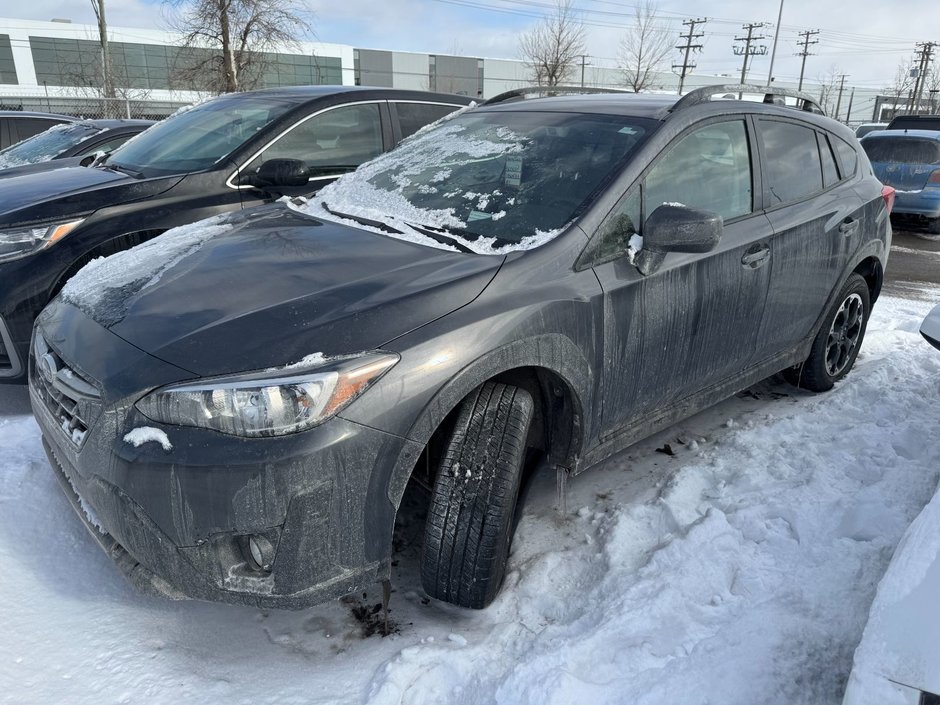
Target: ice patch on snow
[(148, 434)]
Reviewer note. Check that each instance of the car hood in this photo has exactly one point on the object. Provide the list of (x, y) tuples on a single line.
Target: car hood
[(270, 286), (63, 193)]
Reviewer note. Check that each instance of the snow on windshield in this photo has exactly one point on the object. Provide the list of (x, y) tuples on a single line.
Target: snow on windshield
[(489, 183), (104, 286), (47, 145)]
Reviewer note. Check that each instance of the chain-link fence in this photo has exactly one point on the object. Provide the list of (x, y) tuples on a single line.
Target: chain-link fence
[(92, 108)]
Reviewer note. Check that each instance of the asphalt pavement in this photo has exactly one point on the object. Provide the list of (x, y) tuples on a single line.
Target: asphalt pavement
[(913, 265)]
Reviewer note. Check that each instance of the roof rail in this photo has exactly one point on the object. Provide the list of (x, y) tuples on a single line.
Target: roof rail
[(542, 91), (704, 95)]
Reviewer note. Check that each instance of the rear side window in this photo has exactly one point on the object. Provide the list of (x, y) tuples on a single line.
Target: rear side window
[(830, 173), (791, 161), (709, 168), (413, 116), (848, 157), (902, 150)]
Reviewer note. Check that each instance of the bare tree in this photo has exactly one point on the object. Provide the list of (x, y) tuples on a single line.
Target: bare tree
[(551, 49), (645, 46), (902, 87), (225, 40), (829, 89)]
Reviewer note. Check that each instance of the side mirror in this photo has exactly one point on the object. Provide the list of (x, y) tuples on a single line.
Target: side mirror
[(676, 228), (281, 172)]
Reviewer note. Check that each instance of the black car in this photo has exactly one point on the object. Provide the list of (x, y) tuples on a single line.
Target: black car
[(67, 144), (914, 122), (228, 153), (17, 125), (236, 407)]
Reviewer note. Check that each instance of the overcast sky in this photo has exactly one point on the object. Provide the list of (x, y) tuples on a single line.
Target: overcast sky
[(864, 38)]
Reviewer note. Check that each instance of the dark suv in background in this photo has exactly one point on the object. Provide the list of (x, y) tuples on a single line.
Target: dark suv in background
[(236, 407), (232, 152)]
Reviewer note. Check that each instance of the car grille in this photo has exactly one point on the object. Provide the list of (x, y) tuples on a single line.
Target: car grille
[(73, 401)]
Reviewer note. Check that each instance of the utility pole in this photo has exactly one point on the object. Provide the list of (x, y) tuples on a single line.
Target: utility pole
[(848, 113), (926, 56), (747, 50), (804, 52), (839, 99), (583, 64), (686, 67), (107, 74), (773, 52)]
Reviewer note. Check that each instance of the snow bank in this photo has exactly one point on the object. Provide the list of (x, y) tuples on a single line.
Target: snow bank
[(733, 572)]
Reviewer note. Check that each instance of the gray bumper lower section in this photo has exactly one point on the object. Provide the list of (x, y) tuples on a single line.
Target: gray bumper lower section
[(144, 554)]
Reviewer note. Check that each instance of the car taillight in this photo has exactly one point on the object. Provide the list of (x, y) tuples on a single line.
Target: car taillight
[(934, 177), (888, 193)]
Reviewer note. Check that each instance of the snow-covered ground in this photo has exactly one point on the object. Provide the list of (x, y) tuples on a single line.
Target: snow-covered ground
[(739, 570)]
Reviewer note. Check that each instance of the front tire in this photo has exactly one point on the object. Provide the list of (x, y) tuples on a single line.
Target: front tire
[(837, 344), (470, 518)]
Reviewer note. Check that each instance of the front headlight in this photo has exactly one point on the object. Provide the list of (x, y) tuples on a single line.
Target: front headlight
[(24, 241), (271, 403)]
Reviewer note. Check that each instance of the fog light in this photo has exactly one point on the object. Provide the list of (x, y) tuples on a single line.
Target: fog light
[(260, 553)]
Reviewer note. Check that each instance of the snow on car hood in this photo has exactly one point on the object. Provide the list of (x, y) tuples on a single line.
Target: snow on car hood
[(264, 288)]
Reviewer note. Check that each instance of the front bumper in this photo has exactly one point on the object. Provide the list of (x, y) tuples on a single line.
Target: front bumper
[(176, 522)]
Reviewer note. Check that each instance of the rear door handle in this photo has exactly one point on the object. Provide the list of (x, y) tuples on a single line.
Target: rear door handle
[(756, 256), (848, 226)]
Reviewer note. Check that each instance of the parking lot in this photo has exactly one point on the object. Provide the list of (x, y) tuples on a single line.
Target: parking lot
[(914, 265)]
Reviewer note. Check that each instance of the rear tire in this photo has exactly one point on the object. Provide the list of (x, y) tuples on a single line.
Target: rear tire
[(837, 344), (470, 517), (933, 226)]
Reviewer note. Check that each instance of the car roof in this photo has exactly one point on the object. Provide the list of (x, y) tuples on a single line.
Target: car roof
[(303, 93), (648, 105), (920, 134), (31, 114), (112, 123)]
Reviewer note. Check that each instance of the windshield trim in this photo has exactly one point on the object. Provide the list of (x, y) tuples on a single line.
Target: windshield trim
[(231, 181)]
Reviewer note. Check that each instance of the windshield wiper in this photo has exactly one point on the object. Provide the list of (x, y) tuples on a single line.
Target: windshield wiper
[(114, 166), (364, 221), (440, 235)]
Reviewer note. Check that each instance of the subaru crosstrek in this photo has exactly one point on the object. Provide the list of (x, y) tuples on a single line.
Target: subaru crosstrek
[(236, 407)]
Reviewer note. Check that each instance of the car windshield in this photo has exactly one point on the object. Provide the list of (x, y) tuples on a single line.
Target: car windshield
[(492, 181), (902, 150), (47, 145), (199, 137)]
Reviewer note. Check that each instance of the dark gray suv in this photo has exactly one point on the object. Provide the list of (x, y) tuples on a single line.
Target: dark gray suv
[(236, 407)]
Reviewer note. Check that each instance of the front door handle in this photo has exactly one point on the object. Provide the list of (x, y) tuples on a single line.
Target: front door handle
[(848, 226), (756, 256)]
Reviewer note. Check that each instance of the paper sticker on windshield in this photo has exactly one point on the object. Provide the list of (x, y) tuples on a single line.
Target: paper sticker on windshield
[(627, 130), (513, 175)]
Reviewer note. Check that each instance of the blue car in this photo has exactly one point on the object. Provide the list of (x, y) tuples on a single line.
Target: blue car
[(909, 160)]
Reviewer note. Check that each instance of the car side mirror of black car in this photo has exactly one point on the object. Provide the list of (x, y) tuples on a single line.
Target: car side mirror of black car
[(676, 228), (281, 172)]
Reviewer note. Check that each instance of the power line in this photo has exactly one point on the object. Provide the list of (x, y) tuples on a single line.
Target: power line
[(686, 66)]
